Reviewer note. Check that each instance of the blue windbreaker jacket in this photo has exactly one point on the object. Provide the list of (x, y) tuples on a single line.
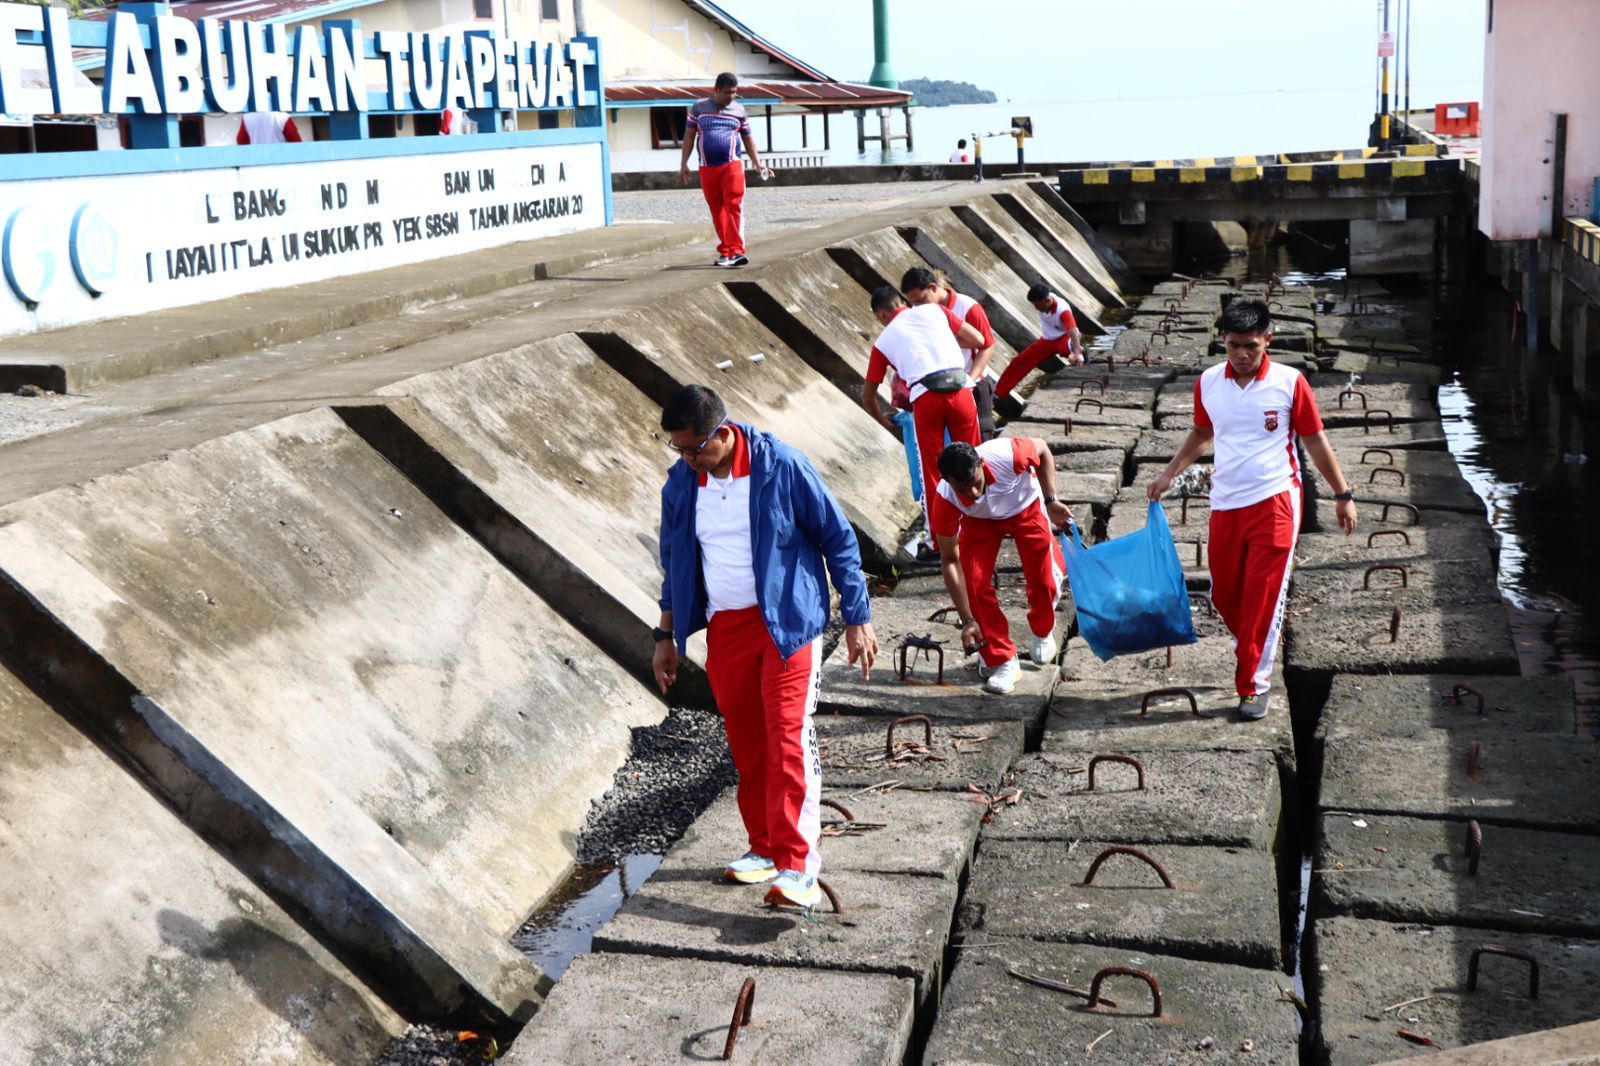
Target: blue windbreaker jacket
[(798, 528)]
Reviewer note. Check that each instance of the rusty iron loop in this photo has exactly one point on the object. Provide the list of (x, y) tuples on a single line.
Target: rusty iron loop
[(1171, 302), (1395, 470), (1194, 704), (833, 897), (1357, 393), (1508, 953), (1126, 760), (1067, 429), (1123, 849), (1098, 405), (1366, 418), (1416, 514), (1144, 353), (1376, 533), (1101, 382), (1398, 568), (743, 1007), (1474, 847), (1474, 752), (1165, 340), (1183, 510), (1199, 550), (1126, 971), (837, 806), (1376, 451), (938, 616), (1454, 699), (1394, 625), (927, 733)]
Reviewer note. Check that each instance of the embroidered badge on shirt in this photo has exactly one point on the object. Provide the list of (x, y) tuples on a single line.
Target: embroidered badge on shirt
[(1272, 421)]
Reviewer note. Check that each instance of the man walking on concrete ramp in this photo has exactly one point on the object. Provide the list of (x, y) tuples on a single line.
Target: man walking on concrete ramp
[(719, 125), (923, 345), (1255, 411), (747, 527), (1002, 488), (1059, 336), (922, 286)]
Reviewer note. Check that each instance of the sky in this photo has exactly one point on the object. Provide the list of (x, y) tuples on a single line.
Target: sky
[(1086, 50)]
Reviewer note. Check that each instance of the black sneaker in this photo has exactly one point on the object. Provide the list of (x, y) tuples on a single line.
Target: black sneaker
[(1008, 406), (737, 261), (1254, 708)]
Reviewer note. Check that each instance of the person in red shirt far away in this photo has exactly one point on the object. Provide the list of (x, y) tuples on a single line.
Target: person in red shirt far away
[(266, 127), (718, 126), (1254, 411), (1058, 336), (922, 286), (923, 346), (1002, 488)]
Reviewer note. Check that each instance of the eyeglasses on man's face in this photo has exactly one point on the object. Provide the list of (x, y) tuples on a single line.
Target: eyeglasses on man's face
[(693, 450)]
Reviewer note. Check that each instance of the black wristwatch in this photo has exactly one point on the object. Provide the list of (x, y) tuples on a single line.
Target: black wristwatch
[(1347, 494), (658, 635), (1048, 500)]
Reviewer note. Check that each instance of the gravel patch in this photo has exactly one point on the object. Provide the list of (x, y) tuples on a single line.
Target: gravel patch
[(22, 417), (423, 1045), (677, 768)]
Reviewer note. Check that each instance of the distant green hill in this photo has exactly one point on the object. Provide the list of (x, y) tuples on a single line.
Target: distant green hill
[(931, 92)]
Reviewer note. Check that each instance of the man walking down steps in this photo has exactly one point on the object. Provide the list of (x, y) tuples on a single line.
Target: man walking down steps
[(747, 527)]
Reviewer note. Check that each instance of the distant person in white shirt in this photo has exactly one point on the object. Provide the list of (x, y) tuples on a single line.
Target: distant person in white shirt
[(960, 154), (267, 127), (1058, 335)]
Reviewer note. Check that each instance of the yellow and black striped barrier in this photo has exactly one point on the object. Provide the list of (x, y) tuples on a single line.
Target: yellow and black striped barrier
[(1346, 170), (1410, 151), (1583, 237)]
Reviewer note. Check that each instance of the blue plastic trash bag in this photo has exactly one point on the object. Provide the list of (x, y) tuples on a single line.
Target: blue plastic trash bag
[(1129, 592)]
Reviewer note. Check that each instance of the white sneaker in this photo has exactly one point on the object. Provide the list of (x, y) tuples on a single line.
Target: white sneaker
[(750, 869), (1044, 649), (794, 888), (1003, 678)]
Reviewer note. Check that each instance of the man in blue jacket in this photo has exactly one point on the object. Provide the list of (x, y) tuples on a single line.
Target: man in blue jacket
[(746, 528)]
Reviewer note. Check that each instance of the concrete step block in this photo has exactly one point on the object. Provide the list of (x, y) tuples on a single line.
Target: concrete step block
[(1080, 437), (890, 925), (1419, 585), (1103, 461), (1379, 434), (1205, 667), (1379, 417), (1064, 243), (1471, 547), (1437, 638), (988, 1016), (1085, 409), (1162, 350), (1030, 260), (1420, 478), (629, 1008), (1091, 717), (1346, 362), (1141, 397), (1223, 906), (924, 834), (1413, 705), (960, 696), (855, 756), (1363, 967), (1398, 869), (1216, 798), (129, 939), (1377, 389), (1529, 780)]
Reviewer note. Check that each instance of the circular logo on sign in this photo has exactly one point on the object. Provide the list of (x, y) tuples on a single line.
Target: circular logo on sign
[(30, 265), (94, 249)]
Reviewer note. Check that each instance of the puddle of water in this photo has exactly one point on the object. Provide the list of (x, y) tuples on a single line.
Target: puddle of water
[(1299, 975), (564, 927)]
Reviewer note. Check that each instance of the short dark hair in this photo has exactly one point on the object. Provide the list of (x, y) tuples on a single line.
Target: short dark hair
[(917, 278), (885, 297), (693, 407), (726, 80), (959, 463), (1038, 292), (1245, 316), (962, 143)]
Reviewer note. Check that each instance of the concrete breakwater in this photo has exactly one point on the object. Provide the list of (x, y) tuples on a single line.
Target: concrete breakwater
[(349, 652)]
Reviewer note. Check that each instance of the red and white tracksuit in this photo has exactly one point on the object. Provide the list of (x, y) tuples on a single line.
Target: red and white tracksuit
[(723, 187), (1056, 326), (767, 702), (917, 342), (1255, 504), (1011, 506)]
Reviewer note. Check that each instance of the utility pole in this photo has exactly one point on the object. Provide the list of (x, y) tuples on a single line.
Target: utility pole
[(1383, 60), (1407, 107), (882, 73)]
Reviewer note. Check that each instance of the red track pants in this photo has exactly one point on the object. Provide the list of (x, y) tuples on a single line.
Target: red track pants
[(934, 414), (1029, 358), (1250, 552), (723, 187), (1043, 568), (767, 704)]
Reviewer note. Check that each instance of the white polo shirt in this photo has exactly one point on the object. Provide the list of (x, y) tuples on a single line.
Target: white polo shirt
[(1058, 321), (722, 525), (917, 342), (1010, 487), (1255, 428), (972, 313)]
